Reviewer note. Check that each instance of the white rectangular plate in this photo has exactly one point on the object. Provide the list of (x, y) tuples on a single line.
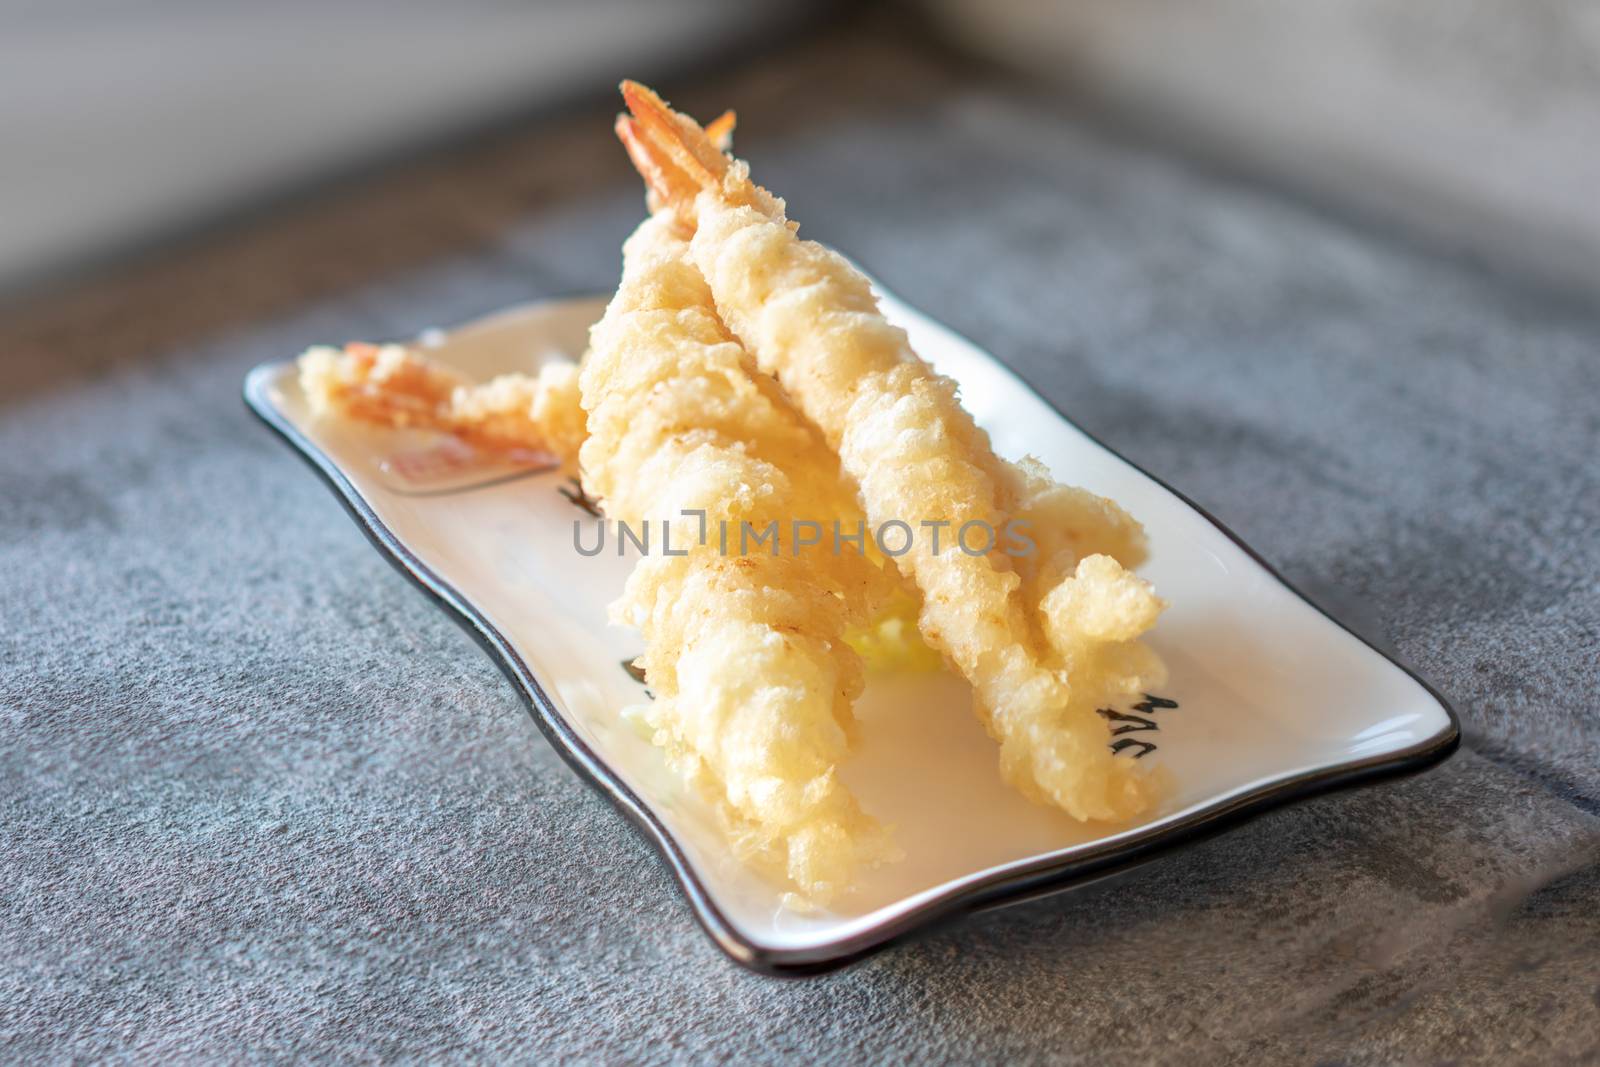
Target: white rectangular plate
[(1269, 699)]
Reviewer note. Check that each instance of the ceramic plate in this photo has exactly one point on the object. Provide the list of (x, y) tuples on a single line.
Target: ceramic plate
[(1269, 699)]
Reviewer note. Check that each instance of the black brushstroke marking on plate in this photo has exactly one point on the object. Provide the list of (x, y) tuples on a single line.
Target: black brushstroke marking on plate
[(580, 498), (1012, 884), (631, 668), (1126, 723)]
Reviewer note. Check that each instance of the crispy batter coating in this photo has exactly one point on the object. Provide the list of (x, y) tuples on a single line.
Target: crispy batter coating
[(393, 386), (1040, 656), (753, 679)]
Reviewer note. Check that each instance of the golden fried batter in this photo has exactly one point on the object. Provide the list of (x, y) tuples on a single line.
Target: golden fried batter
[(753, 679)]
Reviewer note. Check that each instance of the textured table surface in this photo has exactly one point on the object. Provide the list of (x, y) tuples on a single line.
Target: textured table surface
[(261, 799)]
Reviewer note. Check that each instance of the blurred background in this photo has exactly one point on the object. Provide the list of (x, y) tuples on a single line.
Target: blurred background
[(126, 124)]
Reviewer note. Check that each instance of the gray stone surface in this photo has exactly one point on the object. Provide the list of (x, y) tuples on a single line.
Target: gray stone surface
[(262, 801)]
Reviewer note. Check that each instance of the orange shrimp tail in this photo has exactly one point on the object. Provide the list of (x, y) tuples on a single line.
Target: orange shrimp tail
[(664, 184), (679, 138), (719, 131)]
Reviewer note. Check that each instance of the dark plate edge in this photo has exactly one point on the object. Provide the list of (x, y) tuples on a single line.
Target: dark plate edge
[(1011, 886)]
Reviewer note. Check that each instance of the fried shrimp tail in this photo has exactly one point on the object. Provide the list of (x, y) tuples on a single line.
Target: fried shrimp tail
[(744, 651), (1042, 639), (666, 183)]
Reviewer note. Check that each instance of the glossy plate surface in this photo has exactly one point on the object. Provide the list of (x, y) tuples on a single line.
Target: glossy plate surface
[(1269, 699)]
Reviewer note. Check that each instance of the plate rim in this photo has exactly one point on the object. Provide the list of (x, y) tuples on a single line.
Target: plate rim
[(1017, 882)]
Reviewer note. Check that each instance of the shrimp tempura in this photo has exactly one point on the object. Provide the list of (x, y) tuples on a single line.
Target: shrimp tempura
[(1040, 658), (745, 653), (390, 385)]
